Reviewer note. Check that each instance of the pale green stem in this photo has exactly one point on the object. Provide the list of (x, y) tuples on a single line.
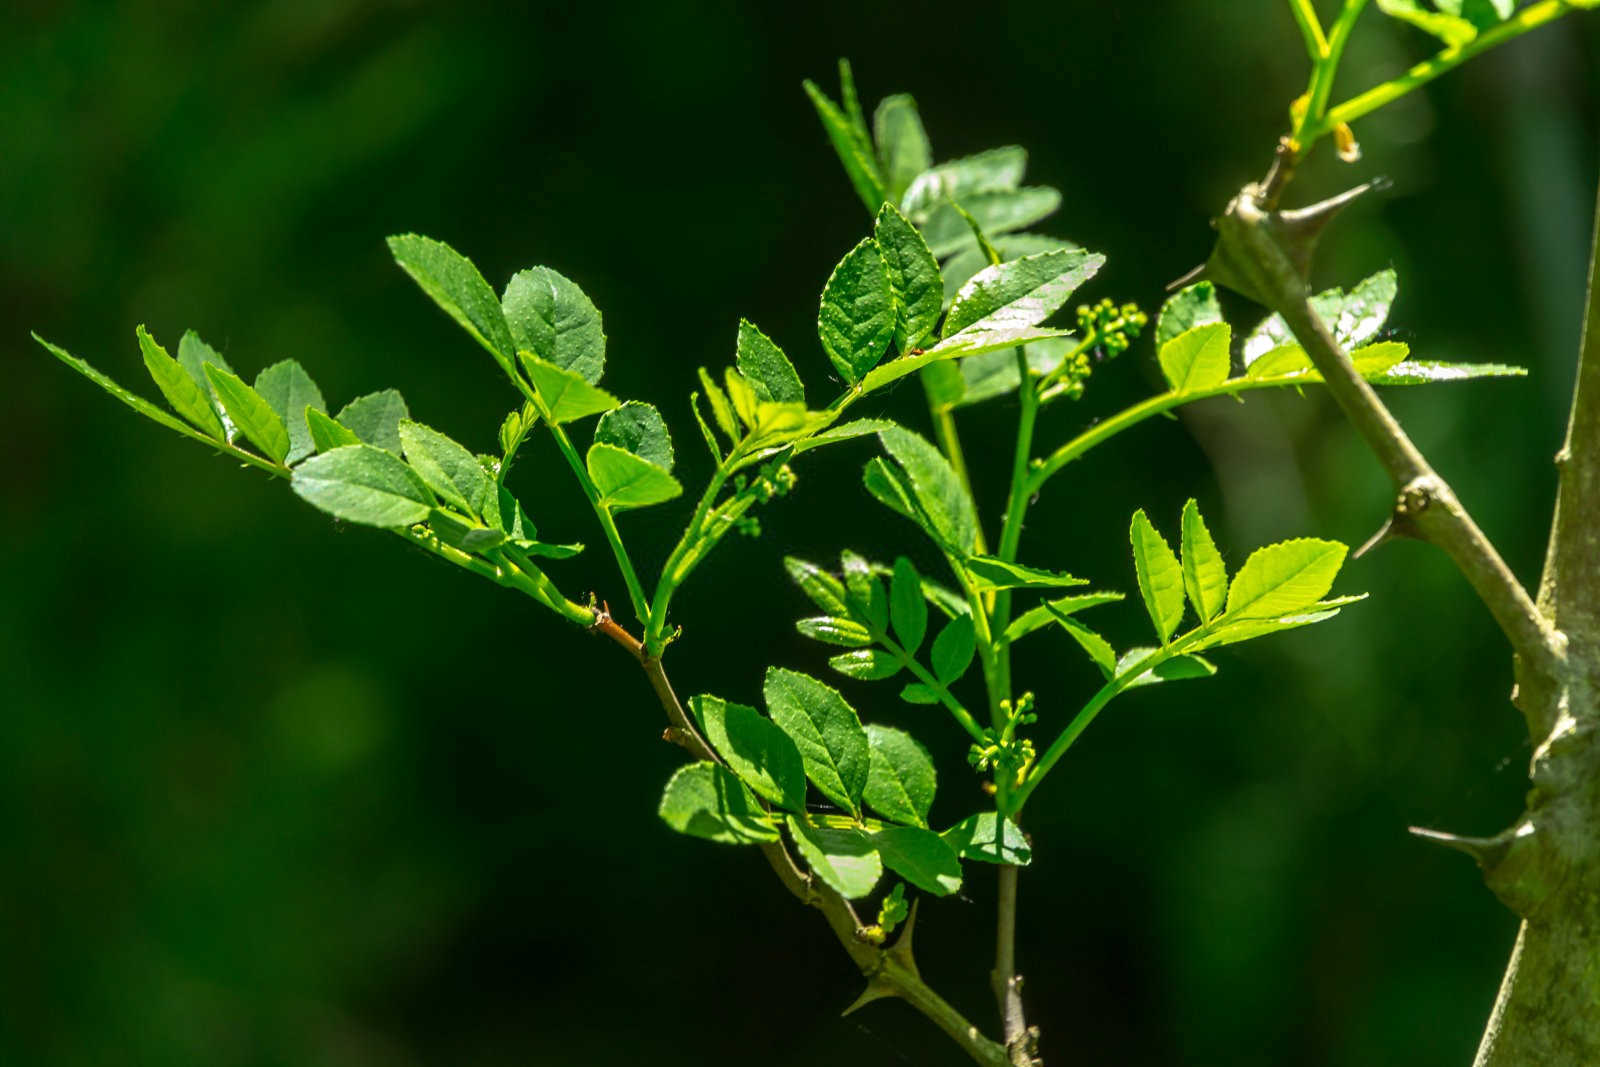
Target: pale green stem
[(1310, 28), (1356, 107), (1011, 530)]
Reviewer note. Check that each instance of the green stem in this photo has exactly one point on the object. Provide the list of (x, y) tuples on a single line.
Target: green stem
[(1129, 417), (1011, 531), (1325, 69), (1310, 28), (1317, 126), (1089, 711), (923, 675), (608, 525)]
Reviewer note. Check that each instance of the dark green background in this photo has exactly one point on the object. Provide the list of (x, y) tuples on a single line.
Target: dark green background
[(273, 792)]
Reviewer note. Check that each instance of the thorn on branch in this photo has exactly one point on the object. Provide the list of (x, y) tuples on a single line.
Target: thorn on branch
[(1487, 852)]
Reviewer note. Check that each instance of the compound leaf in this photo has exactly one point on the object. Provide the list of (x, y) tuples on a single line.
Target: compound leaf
[(765, 366), (456, 286), (900, 776), (706, 800), (756, 749), (375, 418), (637, 427), (833, 746), (921, 857), (626, 480), (1205, 578), (186, 396), (856, 320), (914, 282), (551, 317), (1197, 358), (1284, 577), (289, 390), (360, 483), (1021, 292), (1160, 577), (452, 472), (845, 859), (250, 413)]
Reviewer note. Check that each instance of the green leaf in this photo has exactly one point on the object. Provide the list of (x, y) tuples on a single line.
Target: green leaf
[(289, 390), (917, 693), (1197, 358), (1354, 318), (758, 752), (891, 487), (360, 483), (939, 494), (846, 431), (1020, 293), (948, 232), (182, 392), (844, 859), (637, 427), (1249, 629), (250, 412), (132, 400), (1097, 647), (566, 395), (1040, 616), (914, 282), (831, 631), (833, 746), (857, 158), (1379, 358), (1427, 372), (856, 320), (453, 473), (551, 317), (706, 800), (863, 592), (959, 268), (1172, 670), (953, 649), (626, 480), (327, 434), (866, 664), (1205, 578), (1453, 30), (193, 355), (907, 608), (1191, 306), (1481, 13), (995, 170), (375, 418), (825, 591), (1160, 577), (1283, 578), (457, 287), (766, 367), (991, 572), (921, 857), (903, 149), (989, 838), (900, 777)]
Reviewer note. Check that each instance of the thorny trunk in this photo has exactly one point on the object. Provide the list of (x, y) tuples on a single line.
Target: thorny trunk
[(1548, 1010), (1545, 867)]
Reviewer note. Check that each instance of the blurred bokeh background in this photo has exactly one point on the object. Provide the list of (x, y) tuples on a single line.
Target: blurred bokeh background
[(276, 793)]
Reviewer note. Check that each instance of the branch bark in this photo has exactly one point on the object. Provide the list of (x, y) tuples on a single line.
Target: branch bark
[(1546, 867), (890, 972), (1021, 1040)]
